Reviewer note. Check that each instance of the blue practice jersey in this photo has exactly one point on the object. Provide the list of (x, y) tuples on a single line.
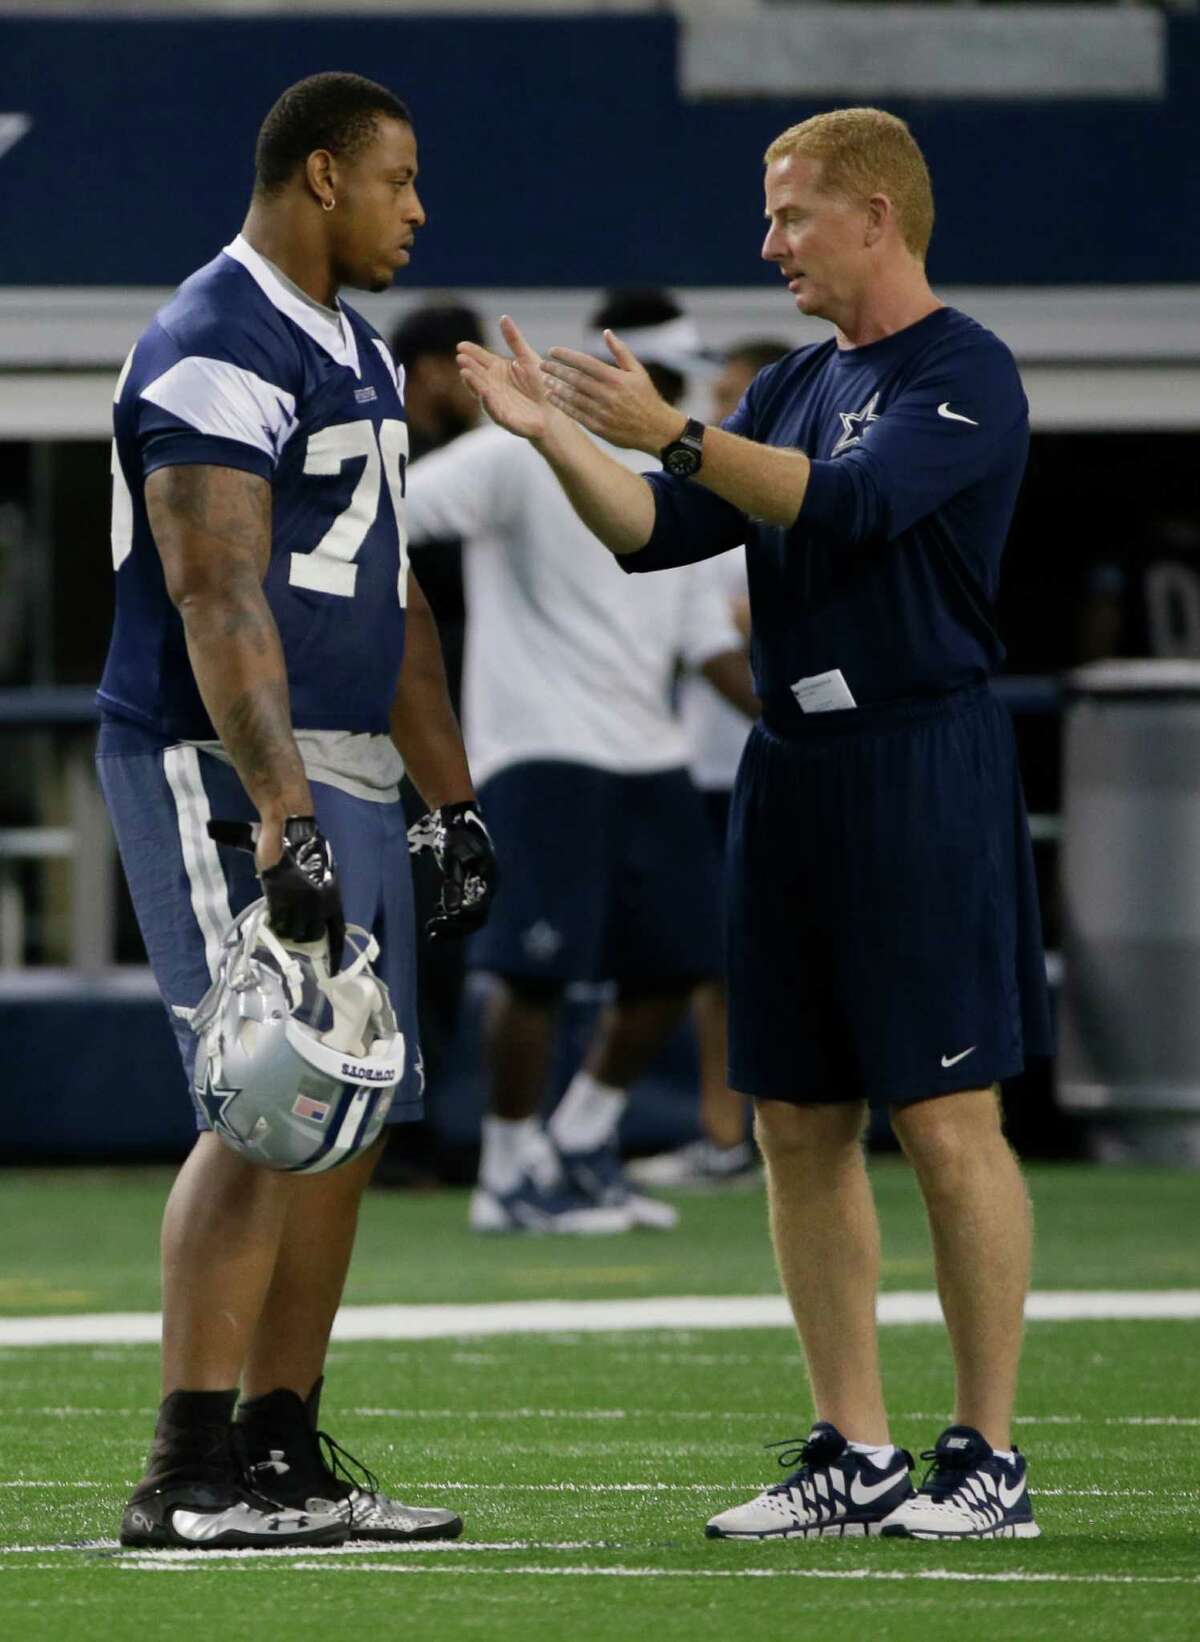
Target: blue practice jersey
[(241, 370), (888, 576)]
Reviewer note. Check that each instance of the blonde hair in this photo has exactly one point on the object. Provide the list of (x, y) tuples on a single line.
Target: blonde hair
[(865, 151)]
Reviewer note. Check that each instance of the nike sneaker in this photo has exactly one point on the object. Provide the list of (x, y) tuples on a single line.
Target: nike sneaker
[(599, 1177), (702, 1165), (834, 1490), (292, 1462), (969, 1492), (533, 1206)]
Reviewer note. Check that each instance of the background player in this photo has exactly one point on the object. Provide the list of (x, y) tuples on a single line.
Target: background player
[(884, 938), (716, 732), (610, 873), (438, 408), (270, 654)]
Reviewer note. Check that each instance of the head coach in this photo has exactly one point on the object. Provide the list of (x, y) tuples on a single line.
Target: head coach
[(884, 944)]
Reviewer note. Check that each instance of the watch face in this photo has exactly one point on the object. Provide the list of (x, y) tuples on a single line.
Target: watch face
[(682, 462)]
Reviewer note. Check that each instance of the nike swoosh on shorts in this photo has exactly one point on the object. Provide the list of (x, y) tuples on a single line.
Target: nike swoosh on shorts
[(953, 1060)]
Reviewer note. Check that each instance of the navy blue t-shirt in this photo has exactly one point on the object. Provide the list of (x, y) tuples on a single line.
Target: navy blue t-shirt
[(918, 445), (241, 370)]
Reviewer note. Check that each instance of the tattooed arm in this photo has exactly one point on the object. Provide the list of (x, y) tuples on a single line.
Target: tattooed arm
[(213, 530)]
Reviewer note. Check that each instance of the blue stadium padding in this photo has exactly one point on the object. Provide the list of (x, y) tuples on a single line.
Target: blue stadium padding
[(138, 162), (123, 1096), (90, 1070)]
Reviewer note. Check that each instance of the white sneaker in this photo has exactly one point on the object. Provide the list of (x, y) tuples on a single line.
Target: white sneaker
[(969, 1492), (700, 1166), (835, 1491), (532, 1207), (599, 1176)]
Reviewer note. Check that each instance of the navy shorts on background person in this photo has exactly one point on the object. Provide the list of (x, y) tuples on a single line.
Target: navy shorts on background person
[(884, 939), (186, 892), (602, 877)]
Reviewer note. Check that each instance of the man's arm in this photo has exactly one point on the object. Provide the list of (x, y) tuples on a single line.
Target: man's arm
[(428, 738), (617, 506), (423, 725), (621, 404), (729, 674), (212, 526)]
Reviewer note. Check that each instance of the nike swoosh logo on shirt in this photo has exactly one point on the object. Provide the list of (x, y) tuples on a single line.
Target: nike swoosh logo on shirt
[(953, 1060), (953, 416), (865, 1493), (1009, 1497)]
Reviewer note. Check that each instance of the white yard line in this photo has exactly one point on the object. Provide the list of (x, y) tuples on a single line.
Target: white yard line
[(414, 1548), (942, 1575), (609, 1316)]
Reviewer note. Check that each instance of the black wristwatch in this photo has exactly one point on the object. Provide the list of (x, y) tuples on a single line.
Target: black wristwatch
[(683, 456)]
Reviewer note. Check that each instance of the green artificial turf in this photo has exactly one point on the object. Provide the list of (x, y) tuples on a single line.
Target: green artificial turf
[(596, 1458), (86, 1240)]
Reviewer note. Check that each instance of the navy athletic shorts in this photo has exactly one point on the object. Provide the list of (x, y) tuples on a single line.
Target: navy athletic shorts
[(883, 938), (603, 877), (186, 892)]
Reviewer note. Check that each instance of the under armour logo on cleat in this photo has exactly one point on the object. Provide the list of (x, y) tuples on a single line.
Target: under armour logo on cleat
[(276, 1463)]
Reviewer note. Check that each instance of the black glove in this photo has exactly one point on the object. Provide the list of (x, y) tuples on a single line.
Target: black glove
[(303, 898), (466, 860)]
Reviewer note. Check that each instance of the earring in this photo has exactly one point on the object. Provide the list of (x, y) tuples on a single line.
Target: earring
[(328, 205)]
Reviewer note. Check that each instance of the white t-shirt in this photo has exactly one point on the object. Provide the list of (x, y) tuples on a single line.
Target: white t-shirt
[(716, 731), (566, 656)]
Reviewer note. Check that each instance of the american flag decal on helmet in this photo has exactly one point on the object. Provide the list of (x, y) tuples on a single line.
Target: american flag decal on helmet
[(305, 1106)]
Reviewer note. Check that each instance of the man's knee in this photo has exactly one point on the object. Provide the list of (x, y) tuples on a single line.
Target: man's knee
[(947, 1133), (806, 1134)]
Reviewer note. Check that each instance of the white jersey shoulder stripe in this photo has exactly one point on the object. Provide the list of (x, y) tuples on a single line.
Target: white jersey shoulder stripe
[(227, 402), (397, 371)]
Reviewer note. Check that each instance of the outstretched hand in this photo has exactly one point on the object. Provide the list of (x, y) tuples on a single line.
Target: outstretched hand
[(618, 402), (512, 391)]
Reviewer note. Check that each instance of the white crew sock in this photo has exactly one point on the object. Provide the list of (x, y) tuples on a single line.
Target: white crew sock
[(507, 1146), (588, 1114), (880, 1454)]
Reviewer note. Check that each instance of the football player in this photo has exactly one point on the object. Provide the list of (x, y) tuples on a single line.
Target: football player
[(610, 872), (722, 1156), (274, 662)]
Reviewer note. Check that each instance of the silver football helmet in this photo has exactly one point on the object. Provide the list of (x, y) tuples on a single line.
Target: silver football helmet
[(295, 1068)]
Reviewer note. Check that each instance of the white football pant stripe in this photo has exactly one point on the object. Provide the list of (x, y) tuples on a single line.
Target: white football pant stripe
[(206, 878)]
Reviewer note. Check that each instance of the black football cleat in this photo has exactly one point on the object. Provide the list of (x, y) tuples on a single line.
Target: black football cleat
[(287, 1458)]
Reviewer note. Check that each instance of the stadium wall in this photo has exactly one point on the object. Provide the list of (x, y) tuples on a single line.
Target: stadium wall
[(555, 151)]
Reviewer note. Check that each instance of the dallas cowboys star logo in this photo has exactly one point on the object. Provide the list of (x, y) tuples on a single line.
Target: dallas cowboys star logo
[(213, 1099), (853, 421)]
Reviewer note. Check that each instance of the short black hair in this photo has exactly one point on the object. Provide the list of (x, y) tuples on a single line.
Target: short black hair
[(333, 111), (635, 308), (435, 328), (758, 352)]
